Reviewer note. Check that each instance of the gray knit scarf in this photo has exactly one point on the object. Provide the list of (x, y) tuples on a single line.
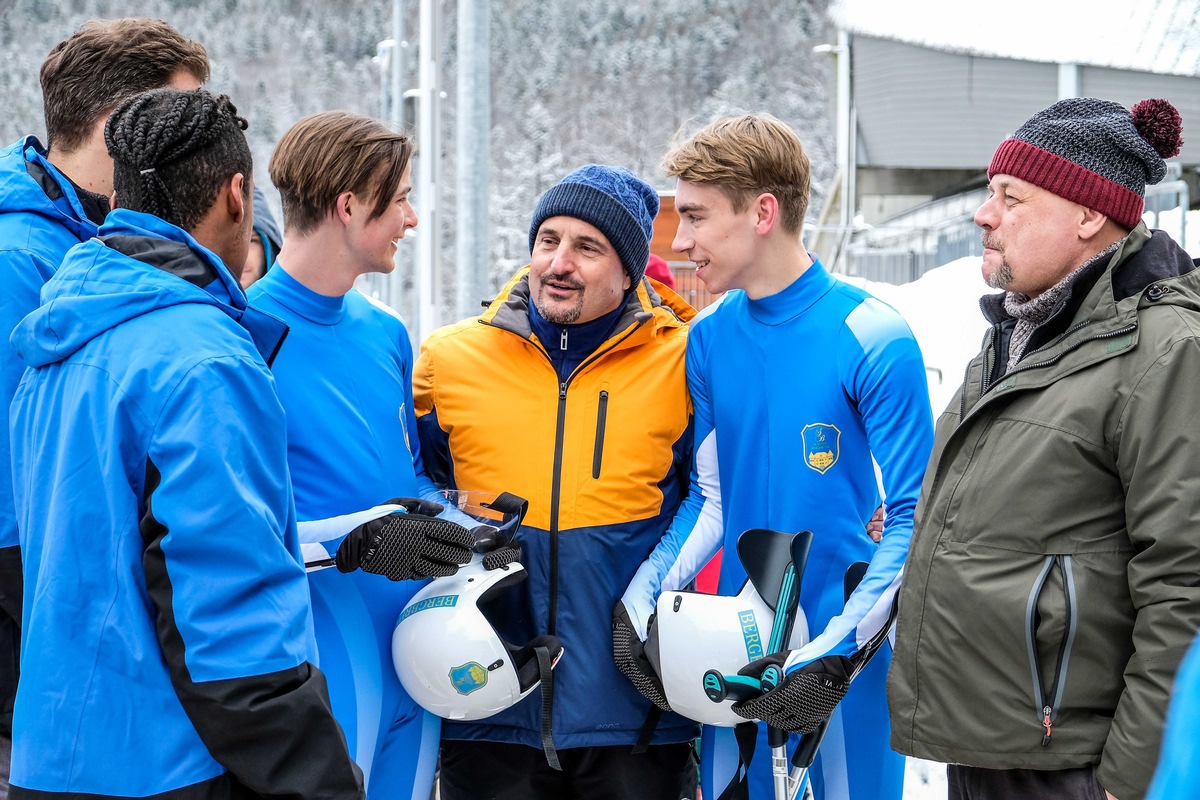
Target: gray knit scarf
[(1030, 312)]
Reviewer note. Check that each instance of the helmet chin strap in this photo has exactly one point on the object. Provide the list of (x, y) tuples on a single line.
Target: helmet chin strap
[(546, 670)]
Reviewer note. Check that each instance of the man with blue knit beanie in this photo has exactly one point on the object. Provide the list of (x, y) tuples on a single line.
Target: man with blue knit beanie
[(569, 390)]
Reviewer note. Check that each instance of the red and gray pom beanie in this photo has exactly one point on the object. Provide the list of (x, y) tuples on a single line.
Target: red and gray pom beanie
[(616, 201), (1094, 152)]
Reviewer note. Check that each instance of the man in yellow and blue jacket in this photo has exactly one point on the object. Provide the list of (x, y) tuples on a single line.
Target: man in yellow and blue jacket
[(570, 391)]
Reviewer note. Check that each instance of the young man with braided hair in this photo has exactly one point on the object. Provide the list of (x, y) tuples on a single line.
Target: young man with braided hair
[(345, 181), (167, 612), (51, 198), (1050, 593)]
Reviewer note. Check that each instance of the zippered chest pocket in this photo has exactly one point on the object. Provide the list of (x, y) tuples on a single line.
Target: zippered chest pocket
[(601, 422)]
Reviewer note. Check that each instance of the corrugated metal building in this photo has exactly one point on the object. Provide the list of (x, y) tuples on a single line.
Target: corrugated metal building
[(928, 88)]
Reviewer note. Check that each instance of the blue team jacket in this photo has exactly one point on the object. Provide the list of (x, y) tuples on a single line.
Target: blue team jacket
[(40, 219), (167, 628)]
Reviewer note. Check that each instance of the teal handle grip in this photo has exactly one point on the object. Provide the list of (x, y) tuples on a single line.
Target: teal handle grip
[(772, 676), (737, 688)]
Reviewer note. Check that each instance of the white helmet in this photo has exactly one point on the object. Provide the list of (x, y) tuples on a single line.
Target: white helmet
[(446, 651), (692, 633)]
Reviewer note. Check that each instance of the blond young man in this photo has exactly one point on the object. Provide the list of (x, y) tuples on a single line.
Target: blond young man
[(800, 384)]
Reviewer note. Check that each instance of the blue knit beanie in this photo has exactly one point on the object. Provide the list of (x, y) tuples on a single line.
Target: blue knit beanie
[(620, 204)]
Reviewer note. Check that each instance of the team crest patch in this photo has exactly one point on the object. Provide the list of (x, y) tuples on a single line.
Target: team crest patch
[(468, 677), (821, 445)]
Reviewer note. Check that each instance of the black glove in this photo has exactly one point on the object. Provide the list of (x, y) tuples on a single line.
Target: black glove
[(803, 699), (629, 652), (502, 557), (404, 546)]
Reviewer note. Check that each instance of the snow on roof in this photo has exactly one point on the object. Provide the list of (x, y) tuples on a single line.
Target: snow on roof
[(1162, 36)]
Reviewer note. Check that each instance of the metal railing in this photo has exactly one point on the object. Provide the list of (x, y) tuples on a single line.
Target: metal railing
[(905, 247)]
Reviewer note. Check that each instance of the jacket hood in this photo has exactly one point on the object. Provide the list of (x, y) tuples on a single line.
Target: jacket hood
[(30, 184), (265, 224), (138, 264)]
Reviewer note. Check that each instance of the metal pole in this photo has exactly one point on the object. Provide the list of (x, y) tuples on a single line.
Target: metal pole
[(473, 163), (427, 162), (396, 297), (395, 115)]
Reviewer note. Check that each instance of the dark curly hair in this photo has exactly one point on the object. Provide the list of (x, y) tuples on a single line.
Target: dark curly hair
[(173, 150)]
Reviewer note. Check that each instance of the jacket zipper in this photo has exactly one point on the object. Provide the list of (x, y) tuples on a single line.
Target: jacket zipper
[(1111, 334), (1058, 357), (556, 479), (1047, 698), (555, 491), (985, 383), (601, 418)]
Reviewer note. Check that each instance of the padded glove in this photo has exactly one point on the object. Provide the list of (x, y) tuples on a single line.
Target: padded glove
[(629, 653), (803, 699), (406, 546), (502, 557)]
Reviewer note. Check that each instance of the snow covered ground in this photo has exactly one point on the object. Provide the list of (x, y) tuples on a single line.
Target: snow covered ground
[(924, 780)]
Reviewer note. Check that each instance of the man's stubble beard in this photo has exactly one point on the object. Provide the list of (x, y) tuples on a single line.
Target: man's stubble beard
[(557, 315), (1002, 277)]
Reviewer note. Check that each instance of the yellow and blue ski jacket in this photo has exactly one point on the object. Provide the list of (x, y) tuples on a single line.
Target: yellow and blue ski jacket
[(602, 456)]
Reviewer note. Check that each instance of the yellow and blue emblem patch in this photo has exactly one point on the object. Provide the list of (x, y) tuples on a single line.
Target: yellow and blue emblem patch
[(822, 443), (468, 677)]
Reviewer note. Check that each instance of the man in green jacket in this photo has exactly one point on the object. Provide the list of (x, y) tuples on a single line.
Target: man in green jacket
[(1050, 591)]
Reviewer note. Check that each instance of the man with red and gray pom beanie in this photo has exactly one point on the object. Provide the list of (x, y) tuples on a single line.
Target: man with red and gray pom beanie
[(1049, 592)]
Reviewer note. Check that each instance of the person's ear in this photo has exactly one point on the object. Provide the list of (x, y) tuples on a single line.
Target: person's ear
[(345, 206), (112, 200), (766, 212), (1091, 222), (236, 202)]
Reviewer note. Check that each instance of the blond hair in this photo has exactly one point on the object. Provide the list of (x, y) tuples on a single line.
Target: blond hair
[(744, 157)]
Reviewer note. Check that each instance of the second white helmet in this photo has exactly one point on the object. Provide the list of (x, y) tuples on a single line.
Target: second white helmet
[(692, 633)]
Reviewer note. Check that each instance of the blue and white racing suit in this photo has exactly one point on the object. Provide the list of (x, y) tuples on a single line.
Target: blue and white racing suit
[(344, 377), (798, 397)]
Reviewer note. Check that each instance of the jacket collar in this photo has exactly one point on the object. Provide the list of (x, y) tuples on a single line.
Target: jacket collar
[(645, 310), (30, 183), (1100, 321), (157, 243)]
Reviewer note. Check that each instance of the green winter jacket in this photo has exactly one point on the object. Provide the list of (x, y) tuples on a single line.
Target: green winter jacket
[(1053, 582)]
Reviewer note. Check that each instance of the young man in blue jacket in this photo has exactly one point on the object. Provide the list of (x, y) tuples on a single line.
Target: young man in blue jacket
[(167, 610), (51, 198), (801, 384)]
